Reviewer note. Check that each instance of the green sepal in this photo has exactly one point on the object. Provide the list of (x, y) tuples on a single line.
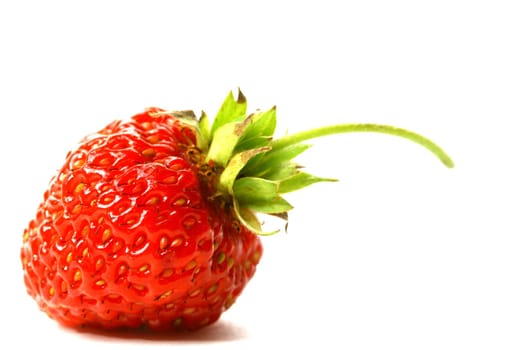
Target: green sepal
[(249, 220), (235, 165), (223, 143), (225, 140), (271, 163), (254, 142), (246, 189), (283, 172), (274, 205), (300, 180), (204, 134), (232, 110), (259, 131), (260, 195), (258, 169)]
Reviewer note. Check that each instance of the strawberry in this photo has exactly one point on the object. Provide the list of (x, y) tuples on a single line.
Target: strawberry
[(152, 222)]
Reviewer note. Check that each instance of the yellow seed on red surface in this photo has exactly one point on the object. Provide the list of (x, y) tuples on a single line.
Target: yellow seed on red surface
[(139, 241), (176, 242), (76, 209), (80, 187), (229, 301), (78, 163), (153, 201), (166, 294), (63, 287), (189, 222), (189, 310), (100, 283), (77, 276), (153, 138), (139, 287), (99, 264), (105, 161), (190, 265), (113, 297), (163, 242), (107, 199), (179, 201), (212, 288), (106, 235), (58, 214), (177, 322), (117, 246), (148, 153), (122, 269), (167, 273), (194, 293), (220, 257), (169, 180)]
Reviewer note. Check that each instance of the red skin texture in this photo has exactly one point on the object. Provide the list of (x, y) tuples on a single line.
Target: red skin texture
[(127, 236)]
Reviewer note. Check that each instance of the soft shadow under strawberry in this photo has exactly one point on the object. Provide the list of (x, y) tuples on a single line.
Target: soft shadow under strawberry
[(220, 331)]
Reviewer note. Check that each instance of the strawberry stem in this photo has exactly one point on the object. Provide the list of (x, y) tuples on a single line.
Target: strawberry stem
[(258, 169), (348, 128)]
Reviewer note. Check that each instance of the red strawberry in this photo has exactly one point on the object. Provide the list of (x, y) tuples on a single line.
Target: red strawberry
[(152, 221)]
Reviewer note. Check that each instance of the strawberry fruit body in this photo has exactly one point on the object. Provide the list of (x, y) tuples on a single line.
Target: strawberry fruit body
[(152, 222)]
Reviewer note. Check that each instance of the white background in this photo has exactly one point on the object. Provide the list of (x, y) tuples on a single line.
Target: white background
[(401, 253)]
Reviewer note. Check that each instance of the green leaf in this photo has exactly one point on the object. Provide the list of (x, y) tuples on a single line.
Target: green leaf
[(204, 131), (259, 131), (263, 124), (283, 171), (283, 155), (254, 142), (266, 122), (300, 180), (226, 138), (249, 220), (274, 206), (235, 165), (249, 189), (259, 195), (224, 141), (232, 110), (271, 162)]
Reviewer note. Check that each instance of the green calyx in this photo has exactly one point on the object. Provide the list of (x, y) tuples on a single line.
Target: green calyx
[(258, 169)]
